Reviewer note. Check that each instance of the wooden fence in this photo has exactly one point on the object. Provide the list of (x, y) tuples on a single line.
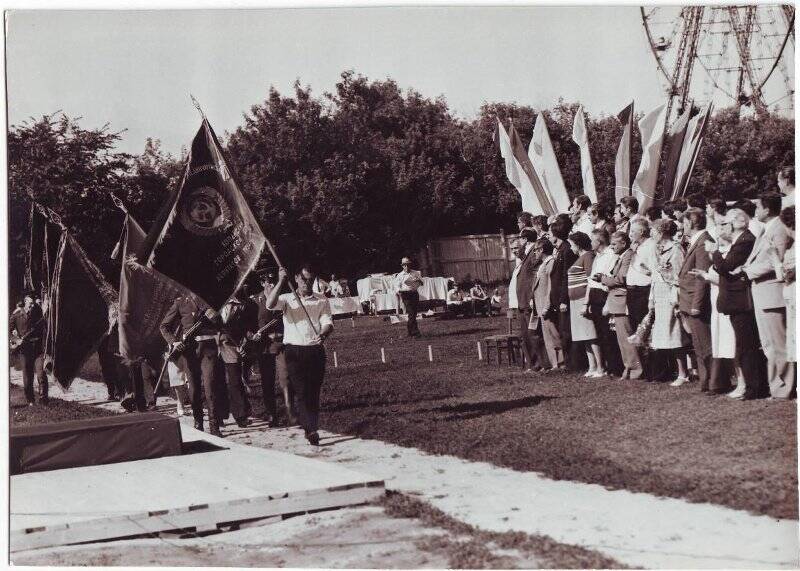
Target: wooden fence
[(486, 257)]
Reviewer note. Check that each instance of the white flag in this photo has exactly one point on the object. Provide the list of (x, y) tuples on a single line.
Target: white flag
[(581, 137), (651, 127), (543, 157), (516, 176)]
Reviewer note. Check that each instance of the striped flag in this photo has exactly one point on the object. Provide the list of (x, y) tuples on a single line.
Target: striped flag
[(691, 148), (622, 165), (520, 173), (674, 142), (581, 137), (543, 158), (651, 126)]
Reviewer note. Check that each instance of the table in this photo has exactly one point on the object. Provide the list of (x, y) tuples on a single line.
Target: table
[(340, 305)]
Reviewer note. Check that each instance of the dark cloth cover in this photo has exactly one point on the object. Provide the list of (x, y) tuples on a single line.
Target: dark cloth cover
[(95, 441)]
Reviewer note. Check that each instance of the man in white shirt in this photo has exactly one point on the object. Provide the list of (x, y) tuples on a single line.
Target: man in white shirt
[(406, 283), (640, 271), (307, 323), (580, 215)]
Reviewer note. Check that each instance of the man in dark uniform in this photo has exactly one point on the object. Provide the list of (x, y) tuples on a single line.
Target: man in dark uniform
[(198, 356), (268, 347), (238, 315), (28, 325)]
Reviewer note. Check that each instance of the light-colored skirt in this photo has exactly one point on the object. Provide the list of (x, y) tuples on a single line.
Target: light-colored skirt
[(582, 327), (723, 341), (666, 332)]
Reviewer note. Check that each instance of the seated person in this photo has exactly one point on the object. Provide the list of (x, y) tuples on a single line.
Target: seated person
[(345, 288), (335, 287), (456, 301), (496, 302), (480, 299)]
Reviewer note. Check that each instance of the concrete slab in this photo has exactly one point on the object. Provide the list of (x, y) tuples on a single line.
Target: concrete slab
[(227, 483)]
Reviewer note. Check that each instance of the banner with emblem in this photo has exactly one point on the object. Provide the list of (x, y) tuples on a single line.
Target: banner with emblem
[(206, 238)]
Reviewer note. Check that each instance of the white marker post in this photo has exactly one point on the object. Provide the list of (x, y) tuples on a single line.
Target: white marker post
[(335, 361), (430, 354), (353, 322), (383, 355), (480, 353)]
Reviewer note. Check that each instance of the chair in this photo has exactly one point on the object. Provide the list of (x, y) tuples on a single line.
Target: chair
[(511, 344)]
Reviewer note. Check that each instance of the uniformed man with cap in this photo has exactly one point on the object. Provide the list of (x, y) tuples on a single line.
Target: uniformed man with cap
[(197, 357)]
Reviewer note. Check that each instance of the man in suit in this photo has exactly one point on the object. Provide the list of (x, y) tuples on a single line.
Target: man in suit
[(524, 290), (694, 298), (544, 314), (736, 301), (617, 307), (770, 307), (27, 323), (198, 356)]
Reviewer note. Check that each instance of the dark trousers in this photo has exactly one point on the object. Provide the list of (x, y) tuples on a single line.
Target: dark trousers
[(612, 359), (700, 330), (138, 376), (525, 334), (199, 361), (32, 365), (751, 357), (267, 371), (239, 403), (306, 368), (565, 333), (109, 369), (637, 299), (411, 303)]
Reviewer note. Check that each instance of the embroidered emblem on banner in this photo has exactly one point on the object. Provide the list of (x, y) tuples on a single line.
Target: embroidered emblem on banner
[(204, 212)]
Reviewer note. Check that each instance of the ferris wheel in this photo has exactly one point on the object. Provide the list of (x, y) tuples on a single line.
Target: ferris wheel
[(728, 55)]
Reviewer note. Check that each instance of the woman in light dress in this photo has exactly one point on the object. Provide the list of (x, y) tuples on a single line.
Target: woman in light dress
[(786, 269), (666, 333), (583, 330)]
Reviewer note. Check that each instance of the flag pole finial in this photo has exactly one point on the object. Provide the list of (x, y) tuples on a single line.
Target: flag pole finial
[(197, 106), (117, 202)]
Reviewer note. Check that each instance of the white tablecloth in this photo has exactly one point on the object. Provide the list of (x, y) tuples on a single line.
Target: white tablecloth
[(341, 305), (431, 288)]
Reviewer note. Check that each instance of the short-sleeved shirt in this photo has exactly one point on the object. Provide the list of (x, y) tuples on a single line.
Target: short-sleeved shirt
[(645, 253), (296, 330)]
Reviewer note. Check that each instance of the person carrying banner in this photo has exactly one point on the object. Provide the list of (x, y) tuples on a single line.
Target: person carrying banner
[(307, 323), (27, 323), (197, 356)]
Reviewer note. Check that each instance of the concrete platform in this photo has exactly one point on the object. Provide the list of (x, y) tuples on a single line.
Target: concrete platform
[(218, 482)]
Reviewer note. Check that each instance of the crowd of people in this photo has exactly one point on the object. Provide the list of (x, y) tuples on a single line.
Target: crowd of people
[(695, 290)]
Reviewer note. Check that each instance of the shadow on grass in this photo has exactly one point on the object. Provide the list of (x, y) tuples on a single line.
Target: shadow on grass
[(487, 329), (377, 403), (469, 410)]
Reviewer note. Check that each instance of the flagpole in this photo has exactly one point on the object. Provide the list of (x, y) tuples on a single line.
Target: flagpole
[(291, 287)]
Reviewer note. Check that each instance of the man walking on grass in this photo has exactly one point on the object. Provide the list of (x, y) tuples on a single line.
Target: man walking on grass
[(407, 282)]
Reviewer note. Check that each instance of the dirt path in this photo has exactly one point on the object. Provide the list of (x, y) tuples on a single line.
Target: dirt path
[(636, 529)]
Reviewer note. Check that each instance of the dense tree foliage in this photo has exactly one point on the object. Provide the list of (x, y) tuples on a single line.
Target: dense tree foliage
[(352, 180)]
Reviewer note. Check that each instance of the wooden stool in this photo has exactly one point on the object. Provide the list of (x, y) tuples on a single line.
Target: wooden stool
[(512, 344)]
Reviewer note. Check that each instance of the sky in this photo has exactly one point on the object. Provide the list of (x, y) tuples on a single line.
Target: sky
[(136, 69)]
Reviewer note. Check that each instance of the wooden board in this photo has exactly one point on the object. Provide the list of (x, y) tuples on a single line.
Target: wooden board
[(198, 491)]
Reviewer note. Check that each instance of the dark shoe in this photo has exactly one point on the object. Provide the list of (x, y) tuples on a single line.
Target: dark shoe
[(198, 424), (128, 403), (313, 438), (242, 422), (269, 419), (214, 431), (44, 400)]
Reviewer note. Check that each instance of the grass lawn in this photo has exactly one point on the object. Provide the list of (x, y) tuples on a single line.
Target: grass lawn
[(638, 436)]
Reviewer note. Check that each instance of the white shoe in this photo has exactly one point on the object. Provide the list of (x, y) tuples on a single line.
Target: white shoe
[(736, 393), (598, 374), (589, 373), (680, 381)]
